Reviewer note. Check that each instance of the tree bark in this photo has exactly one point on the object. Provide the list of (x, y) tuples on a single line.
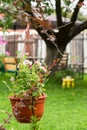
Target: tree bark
[(52, 54)]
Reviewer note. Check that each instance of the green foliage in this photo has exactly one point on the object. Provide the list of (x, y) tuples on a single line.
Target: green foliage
[(67, 2), (8, 1), (49, 7), (6, 22), (30, 79), (69, 72), (1, 64), (34, 123), (81, 17)]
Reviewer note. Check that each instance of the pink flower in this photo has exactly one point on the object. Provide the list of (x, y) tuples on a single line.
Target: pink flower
[(43, 68), (27, 62), (2, 41), (7, 53)]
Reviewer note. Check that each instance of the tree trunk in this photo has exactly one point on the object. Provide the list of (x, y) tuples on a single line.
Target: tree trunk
[(53, 56), (53, 53)]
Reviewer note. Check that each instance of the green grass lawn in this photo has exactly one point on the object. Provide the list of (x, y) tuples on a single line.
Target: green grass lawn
[(65, 109)]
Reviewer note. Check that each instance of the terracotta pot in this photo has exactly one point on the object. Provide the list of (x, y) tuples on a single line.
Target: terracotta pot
[(22, 108)]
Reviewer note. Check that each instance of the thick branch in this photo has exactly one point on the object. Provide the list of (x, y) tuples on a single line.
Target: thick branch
[(58, 12), (76, 11), (77, 29)]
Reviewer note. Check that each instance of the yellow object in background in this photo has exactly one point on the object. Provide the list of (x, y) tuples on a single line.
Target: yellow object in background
[(68, 82)]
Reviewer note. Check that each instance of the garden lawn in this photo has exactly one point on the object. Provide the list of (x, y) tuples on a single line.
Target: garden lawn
[(65, 109)]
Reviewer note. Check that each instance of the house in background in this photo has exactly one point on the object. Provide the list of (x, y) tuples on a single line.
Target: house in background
[(36, 48), (77, 50), (16, 41)]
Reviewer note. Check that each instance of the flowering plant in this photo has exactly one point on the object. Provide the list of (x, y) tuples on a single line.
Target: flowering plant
[(30, 78)]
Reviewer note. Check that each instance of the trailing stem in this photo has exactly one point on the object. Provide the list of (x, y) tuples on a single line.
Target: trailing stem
[(34, 120), (6, 121)]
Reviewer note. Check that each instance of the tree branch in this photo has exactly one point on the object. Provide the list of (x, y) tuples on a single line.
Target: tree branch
[(76, 11), (77, 29), (58, 12)]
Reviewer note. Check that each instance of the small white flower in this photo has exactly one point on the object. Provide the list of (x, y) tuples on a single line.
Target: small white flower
[(38, 62), (30, 62), (12, 79)]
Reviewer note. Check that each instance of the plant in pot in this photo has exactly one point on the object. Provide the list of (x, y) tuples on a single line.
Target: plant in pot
[(28, 96)]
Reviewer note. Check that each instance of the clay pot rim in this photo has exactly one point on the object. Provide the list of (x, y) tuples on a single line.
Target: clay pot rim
[(22, 98)]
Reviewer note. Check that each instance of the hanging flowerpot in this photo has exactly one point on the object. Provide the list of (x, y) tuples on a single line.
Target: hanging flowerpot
[(23, 109), (28, 90)]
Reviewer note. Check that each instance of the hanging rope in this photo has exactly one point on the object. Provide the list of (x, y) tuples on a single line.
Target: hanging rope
[(27, 46)]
